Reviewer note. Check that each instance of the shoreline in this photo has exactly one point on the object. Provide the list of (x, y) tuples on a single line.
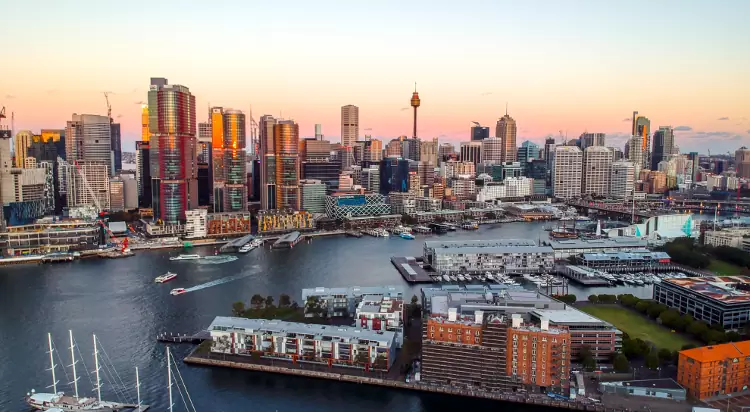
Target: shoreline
[(202, 360)]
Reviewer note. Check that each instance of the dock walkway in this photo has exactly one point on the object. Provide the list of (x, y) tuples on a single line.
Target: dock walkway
[(197, 337)]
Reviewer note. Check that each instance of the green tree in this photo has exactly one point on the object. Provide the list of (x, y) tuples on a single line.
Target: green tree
[(665, 356), (688, 346), (669, 318), (655, 309), (684, 322), (642, 306), (269, 301), (238, 308), (586, 356), (256, 301), (414, 300), (284, 300), (652, 360), (697, 328), (593, 299), (733, 336), (621, 363)]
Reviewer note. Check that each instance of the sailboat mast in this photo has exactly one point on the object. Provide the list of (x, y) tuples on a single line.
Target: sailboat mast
[(52, 363), (169, 379), (96, 365), (138, 388), (73, 362)]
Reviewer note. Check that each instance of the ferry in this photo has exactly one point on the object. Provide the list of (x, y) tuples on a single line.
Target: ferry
[(405, 235), (178, 291), (165, 277), (185, 257), (247, 247)]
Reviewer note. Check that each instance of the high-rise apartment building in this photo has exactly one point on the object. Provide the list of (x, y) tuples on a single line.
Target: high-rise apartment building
[(742, 162), (591, 139), (567, 172), (267, 162), (88, 137), (428, 151), (479, 132), (549, 151), (622, 180), (506, 130), (527, 151), (116, 194), (663, 146), (471, 152), (22, 143), (444, 151), (235, 165), (492, 150), (142, 162), (642, 128), (373, 152), (286, 145), (174, 168), (349, 125), (634, 152), (597, 171), (318, 132)]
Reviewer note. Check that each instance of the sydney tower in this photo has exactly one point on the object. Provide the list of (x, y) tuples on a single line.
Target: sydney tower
[(415, 104)]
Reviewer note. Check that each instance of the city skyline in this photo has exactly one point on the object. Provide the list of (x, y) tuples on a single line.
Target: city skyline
[(701, 95)]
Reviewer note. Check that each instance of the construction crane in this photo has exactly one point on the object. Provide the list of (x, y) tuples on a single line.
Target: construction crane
[(109, 107), (2, 113), (476, 123)]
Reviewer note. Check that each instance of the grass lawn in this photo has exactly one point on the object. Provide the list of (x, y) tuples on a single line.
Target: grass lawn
[(637, 326), (721, 267)]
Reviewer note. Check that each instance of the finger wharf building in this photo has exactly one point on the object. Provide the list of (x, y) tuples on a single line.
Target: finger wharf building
[(479, 256)]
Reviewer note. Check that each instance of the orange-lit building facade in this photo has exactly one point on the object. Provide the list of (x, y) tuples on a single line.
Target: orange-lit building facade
[(286, 145), (145, 135), (235, 169), (454, 332), (233, 223), (539, 355), (715, 370)]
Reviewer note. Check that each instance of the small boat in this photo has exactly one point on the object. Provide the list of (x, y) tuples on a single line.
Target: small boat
[(178, 291), (185, 257), (246, 248), (406, 235), (165, 277)]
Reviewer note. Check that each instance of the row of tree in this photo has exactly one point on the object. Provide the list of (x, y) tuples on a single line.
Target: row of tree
[(671, 318), (685, 251), (569, 298)]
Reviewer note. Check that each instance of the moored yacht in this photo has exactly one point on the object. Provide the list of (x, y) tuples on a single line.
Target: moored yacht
[(406, 235)]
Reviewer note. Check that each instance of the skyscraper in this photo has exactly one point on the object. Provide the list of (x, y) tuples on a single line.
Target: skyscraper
[(663, 146), (742, 162), (349, 125), (415, 102), (235, 169), (479, 132), (286, 144), (22, 143), (591, 139), (634, 152), (87, 137), (142, 162), (527, 151), (506, 130), (267, 163), (642, 128), (622, 180), (445, 150), (115, 146), (373, 152), (492, 150), (566, 174), (174, 169), (471, 152), (428, 151), (597, 170)]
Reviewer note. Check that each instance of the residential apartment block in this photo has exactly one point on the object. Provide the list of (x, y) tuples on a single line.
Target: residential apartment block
[(479, 256), (715, 370)]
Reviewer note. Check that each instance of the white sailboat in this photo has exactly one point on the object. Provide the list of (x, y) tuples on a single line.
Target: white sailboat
[(59, 400)]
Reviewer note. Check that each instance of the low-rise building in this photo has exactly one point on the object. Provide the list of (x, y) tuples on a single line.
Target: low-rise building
[(716, 300), (195, 223), (715, 370), (378, 312), (342, 205), (279, 221), (43, 238), (343, 302), (566, 248), (538, 355), (480, 256), (228, 224), (331, 345), (726, 237)]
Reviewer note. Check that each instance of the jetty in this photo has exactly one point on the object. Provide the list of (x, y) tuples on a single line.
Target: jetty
[(235, 244), (194, 338), (288, 241), (411, 270)]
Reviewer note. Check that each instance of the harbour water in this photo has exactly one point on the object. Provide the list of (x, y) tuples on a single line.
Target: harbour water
[(119, 301)]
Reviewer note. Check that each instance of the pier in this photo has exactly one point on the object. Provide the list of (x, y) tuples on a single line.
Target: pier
[(235, 244), (410, 269), (238, 363), (287, 241), (195, 338)]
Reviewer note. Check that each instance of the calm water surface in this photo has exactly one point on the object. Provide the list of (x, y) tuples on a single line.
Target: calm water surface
[(119, 302)]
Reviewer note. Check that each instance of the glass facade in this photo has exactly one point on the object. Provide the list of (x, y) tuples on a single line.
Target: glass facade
[(286, 144), (235, 169)]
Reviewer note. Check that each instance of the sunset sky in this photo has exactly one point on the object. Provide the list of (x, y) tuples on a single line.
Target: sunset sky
[(569, 65)]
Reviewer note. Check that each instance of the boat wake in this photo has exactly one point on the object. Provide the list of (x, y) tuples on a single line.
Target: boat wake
[(217, 282), (217, 260)]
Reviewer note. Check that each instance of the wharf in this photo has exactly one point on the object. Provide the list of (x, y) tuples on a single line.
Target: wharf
[(410, 269), (196, 338), (218, 360), (20, 260), (117, 254), (235, 244), (581, 276)]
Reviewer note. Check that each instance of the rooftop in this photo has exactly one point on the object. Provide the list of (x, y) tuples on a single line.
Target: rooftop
[(494, 250), (282, 327), (437, 244), (380, 304), (648, 383), (635, 255), (354, 291), (721, 352), (723, 289), (566, 316), (596, 243)]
